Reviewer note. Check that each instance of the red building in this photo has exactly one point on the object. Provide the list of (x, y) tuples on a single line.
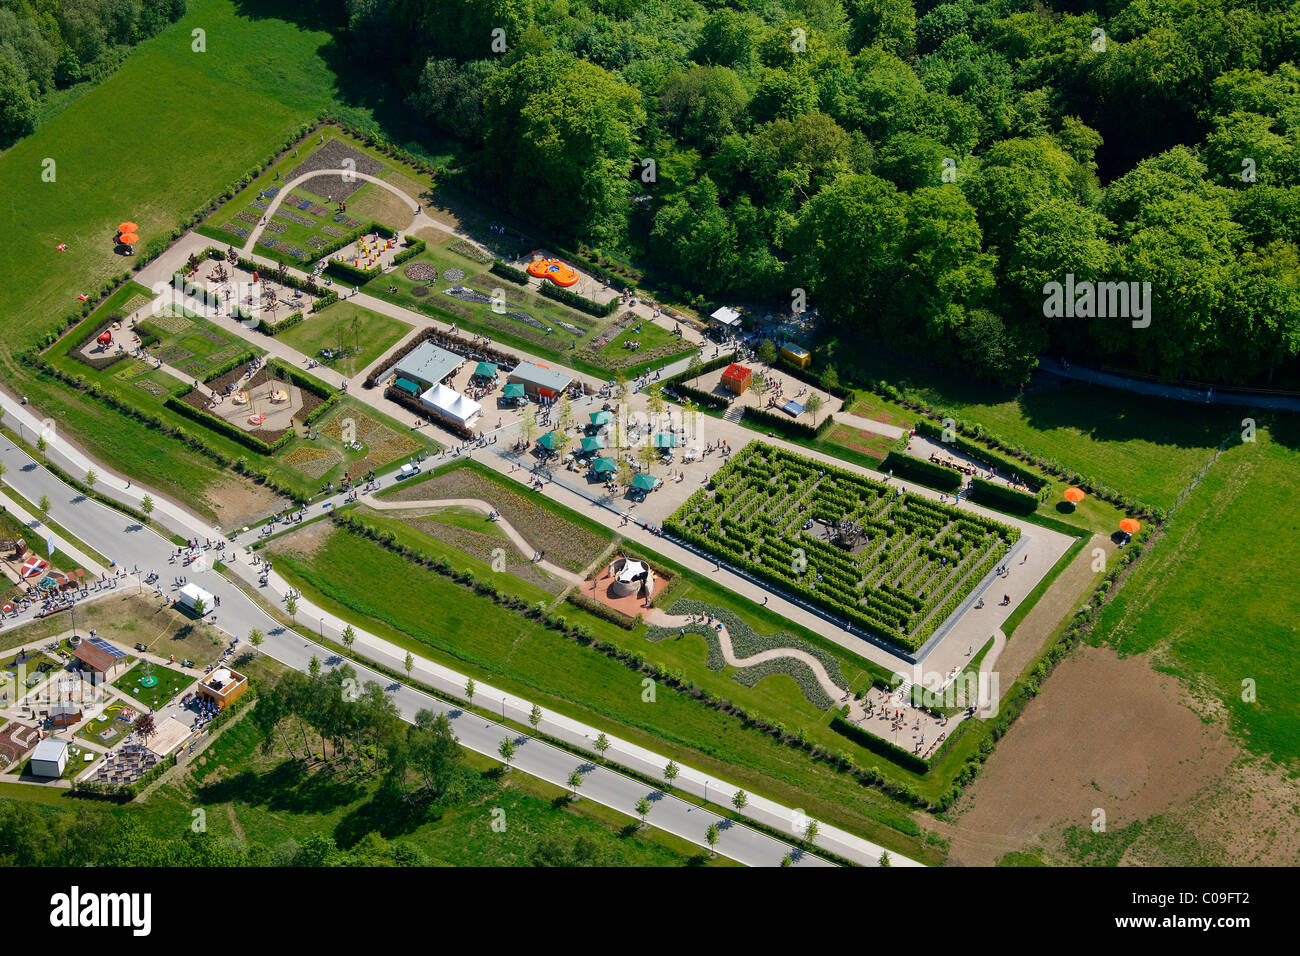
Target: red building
[(736, 377)]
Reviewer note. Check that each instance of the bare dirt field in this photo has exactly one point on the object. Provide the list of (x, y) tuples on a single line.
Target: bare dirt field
[(1106, 733)]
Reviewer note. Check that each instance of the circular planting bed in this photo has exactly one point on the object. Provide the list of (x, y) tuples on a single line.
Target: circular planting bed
[(419, 291), (421, 272), (454, 275), (149, 680)]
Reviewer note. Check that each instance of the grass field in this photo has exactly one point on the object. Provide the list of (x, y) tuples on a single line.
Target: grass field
[(332, 329), (1216, 599), (259, 79), (1144, 447)]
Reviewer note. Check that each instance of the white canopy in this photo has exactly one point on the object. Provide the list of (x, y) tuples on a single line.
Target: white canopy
[(451, 404), (727, 316)]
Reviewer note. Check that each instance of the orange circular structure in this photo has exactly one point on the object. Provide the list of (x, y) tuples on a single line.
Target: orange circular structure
[(1075, 495), (128, 238), (553, 269), (127, 227), (1130, 525)]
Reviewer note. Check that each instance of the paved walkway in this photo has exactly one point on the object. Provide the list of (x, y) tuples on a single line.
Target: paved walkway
[(109, 531), (1182, 393)]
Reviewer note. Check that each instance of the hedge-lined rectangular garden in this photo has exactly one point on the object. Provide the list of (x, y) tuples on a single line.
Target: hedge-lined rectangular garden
[(901, 569)]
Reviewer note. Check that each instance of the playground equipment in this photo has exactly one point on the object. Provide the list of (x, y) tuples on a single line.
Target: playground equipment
[(240, 398), (258, 419), (553, 269), (279, 396), (105, 338)]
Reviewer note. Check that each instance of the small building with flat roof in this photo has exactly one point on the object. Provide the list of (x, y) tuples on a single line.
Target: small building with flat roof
[(539, 381), (50, 758), (223, 686), (427, 365), (736, 378)]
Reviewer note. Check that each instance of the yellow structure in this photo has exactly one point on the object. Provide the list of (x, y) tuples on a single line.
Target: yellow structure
[(796, 356)]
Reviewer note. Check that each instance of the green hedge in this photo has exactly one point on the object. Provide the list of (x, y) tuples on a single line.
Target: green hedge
[(413, 248), (922, 472), (878, 745), (220, 425), (1003, 463), (783, 424), (579, 302), (1003, 498), (275, 328), (509, 273), (344, 270), (327, 298)]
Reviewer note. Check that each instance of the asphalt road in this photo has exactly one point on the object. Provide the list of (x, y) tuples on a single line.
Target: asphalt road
[(131, 545)]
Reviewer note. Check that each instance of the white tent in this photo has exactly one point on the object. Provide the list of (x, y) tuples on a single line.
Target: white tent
[(190, 594), (451, 404), (727, 316)]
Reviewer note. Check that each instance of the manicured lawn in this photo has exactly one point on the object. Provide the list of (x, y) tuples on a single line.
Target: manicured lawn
[(490, 643), (1216, 598), (228, 109), (107, 729), (1145, 447), (332, 329), (171, 683)]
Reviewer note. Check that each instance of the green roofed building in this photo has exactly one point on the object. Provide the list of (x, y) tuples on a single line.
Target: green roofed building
[(514, 391), (406, 385), (550, 441), (645, 482), (665, 440), (486, 370), (602, 418), (603, 466), (595, 443)]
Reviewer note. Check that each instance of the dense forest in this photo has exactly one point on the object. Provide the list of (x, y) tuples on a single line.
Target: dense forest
[(921, 169), (49, 45)]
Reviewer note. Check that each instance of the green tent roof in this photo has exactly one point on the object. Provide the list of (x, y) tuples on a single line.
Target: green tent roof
[(602, 418), (602, 465), (406, 385), (593, 444), (549, 441), (486, 369), (514, 390), (645, 482), (665, 440)]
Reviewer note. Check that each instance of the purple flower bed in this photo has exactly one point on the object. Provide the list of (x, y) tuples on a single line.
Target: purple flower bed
[(234, 230)]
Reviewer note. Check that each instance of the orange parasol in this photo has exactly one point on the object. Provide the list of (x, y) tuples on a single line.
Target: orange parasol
[(1130, 525), (127, 227), (1075, 495), (128, 239)]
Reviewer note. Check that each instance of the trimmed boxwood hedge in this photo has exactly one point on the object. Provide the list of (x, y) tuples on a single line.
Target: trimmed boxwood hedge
[(783, 424), (509, 273), (922, 472), (1003, 498), (413, 248), (878, 745), (1002, 463), (579, 302)]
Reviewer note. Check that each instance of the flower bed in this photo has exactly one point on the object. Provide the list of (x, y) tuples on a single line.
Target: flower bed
[(421, 272), (469, 251)]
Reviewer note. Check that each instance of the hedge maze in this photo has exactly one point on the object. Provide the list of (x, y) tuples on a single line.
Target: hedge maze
[(889, 561)]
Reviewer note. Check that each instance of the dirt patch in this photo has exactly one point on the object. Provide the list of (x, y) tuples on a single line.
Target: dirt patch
[(1028, 639), (238, 503), (1106, 732), (381, 206), (305, 541)]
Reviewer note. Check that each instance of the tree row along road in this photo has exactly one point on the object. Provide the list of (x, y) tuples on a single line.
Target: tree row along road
[(130, 544)]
